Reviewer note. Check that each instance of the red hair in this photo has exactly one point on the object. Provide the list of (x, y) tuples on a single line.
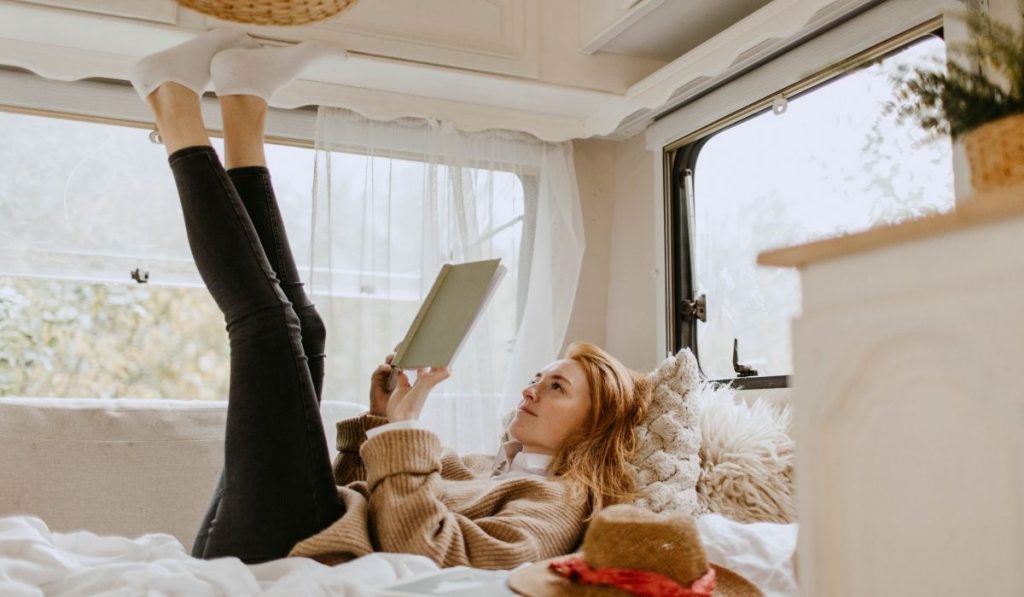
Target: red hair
[(597, 455)]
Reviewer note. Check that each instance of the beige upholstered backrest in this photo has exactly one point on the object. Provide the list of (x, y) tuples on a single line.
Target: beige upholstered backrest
[(123, 467)]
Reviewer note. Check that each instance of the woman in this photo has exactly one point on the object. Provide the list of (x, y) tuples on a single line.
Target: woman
[(393, 487)]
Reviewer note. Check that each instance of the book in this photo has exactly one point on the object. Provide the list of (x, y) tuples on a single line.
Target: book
[(447, 316)]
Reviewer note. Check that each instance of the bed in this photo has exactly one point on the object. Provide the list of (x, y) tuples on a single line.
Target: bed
[(87, 464), (37, 561)]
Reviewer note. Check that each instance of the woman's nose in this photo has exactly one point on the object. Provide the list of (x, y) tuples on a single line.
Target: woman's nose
[(528, 393)]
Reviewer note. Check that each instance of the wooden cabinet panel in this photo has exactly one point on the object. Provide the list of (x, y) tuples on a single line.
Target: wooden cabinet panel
[(500, 36), (910, 469), (158, 11)]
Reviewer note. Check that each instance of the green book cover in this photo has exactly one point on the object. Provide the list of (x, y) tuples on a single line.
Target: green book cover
[(454, 304)]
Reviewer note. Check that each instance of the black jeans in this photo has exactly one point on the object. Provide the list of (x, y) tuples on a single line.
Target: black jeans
[(277, 486)]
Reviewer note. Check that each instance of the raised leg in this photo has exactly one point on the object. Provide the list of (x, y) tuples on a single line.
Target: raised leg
[(244, 117), (178, 117), (277, 482)]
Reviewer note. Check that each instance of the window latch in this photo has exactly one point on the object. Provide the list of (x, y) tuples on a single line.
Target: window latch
[(695, 309), (741, 370)]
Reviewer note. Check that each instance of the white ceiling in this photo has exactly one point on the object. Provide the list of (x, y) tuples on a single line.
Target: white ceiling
[(559, 69)]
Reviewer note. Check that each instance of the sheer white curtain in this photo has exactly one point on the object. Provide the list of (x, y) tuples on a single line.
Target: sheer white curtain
[(392, 202)]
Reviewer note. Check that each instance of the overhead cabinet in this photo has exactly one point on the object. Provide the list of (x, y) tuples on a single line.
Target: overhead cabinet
[(157, 11)]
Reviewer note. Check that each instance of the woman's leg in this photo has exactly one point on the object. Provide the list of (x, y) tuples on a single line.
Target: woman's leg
[(244, 118), (278, 487), (246, 163)]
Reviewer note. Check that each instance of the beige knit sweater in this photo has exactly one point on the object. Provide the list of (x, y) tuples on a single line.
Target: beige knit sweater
[(404, 493)]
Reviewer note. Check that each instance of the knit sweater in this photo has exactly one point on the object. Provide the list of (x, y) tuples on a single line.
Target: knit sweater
[(404, 493)]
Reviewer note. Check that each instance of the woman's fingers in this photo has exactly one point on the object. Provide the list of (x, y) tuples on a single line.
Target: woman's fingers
[(433, 374), (380, 376)]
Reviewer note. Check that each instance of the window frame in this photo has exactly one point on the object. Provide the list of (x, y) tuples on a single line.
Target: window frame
[(680, 158), (115, 103)]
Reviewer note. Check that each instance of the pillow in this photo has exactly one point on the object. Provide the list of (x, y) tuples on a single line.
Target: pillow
[(746, 456), (667, 463)]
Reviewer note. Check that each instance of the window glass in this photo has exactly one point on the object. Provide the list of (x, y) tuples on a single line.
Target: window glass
[(84, 204), (835, 161), (385, 212)]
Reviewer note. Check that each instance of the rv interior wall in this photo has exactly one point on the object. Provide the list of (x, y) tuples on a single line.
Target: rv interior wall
[(616, 304), (595, 176)]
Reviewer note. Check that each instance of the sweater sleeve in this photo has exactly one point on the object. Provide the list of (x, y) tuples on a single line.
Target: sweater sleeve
[(529, 520), (351, 433)]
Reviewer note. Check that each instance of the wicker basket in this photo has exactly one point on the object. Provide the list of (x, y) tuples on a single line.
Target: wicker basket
[(995, 152), (269, 12)]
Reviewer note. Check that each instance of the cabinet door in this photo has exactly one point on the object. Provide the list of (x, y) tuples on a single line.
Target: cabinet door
[(910, 462), (159, 11)]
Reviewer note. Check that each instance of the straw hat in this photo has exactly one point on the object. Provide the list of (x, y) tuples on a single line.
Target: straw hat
[(269, 12), (629, 551)]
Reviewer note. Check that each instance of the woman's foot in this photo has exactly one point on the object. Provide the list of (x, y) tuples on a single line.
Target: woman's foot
[(187, 64), (263, 71)]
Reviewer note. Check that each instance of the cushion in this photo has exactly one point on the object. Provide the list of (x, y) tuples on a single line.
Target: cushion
[(123, 467), (667, 464), (746, 456)]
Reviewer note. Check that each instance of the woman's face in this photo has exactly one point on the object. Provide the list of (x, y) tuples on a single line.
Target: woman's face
[(554, 405)]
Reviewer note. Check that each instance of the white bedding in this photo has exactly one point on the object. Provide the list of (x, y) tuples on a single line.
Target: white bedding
[(35, 561)]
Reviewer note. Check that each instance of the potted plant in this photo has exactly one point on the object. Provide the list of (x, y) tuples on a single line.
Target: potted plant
[(978, 98)]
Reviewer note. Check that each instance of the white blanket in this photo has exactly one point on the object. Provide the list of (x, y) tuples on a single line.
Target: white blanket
[(762, 551), (35, 561)]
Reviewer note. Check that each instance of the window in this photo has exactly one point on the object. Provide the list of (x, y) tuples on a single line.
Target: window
[(374, 252), (82, 204), (85, 204), (828, 161)]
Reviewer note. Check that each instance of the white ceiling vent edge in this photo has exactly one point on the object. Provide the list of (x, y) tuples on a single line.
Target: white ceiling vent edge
[(737, 47)]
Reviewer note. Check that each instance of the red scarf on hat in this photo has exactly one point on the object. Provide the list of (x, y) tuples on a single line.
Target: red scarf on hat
[(637, 582)]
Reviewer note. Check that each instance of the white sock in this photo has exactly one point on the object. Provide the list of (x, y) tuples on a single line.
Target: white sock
[(263, 71), (187, 63)]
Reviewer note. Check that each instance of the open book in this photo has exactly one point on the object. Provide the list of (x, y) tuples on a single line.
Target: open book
[(447, 315)]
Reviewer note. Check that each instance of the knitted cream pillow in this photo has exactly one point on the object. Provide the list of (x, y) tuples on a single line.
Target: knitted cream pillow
[(746, 457), (667, 464)]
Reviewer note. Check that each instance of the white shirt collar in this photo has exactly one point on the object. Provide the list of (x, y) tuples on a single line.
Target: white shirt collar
[(511, 461)]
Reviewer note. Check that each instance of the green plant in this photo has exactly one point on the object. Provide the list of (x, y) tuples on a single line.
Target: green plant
[(958, 99)]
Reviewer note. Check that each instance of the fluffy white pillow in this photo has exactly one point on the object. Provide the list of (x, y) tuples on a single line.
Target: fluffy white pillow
[(667, 464), (746, 456)]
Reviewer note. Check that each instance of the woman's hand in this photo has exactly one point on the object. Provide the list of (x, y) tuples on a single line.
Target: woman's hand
[(406, 402), (379, 393)]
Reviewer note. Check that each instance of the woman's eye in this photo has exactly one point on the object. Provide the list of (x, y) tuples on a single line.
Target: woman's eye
[(556, 386)]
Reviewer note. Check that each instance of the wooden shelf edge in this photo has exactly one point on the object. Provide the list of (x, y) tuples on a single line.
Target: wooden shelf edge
[(976, 211)]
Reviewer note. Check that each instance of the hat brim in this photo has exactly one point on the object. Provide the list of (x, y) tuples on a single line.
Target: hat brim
[(538, 580)]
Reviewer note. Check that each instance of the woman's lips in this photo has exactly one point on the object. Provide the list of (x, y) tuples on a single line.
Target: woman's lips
[(527, 411)]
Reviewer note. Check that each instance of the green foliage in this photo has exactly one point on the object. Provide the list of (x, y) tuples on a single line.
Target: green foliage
[(61, 338), (959, 99)]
